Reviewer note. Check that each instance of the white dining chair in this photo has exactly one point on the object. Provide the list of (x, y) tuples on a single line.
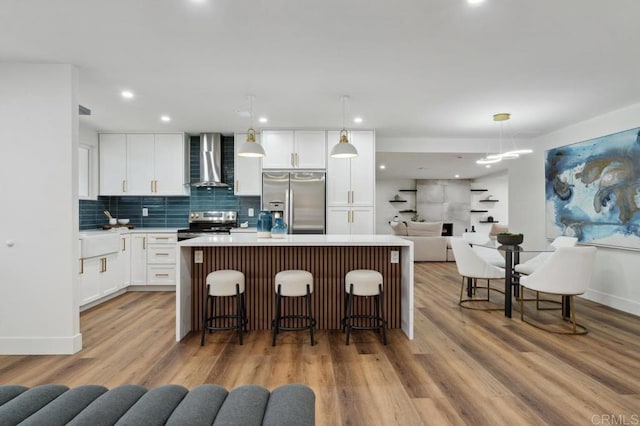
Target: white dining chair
[(530, 265), (472, 266), (567, 273), (527, 268), (485, 247)]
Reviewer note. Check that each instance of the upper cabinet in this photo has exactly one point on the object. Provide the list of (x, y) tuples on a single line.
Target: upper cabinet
[(143, 164), (247, 170), (351, 182), (294, 149)]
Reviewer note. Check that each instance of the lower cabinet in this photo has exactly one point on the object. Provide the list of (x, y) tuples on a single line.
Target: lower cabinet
[(138, 259), (143, 259), (161, 259), (100, 276), (350, 220)]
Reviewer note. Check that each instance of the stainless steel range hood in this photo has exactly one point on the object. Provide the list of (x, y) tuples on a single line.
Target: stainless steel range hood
[(210, 160)]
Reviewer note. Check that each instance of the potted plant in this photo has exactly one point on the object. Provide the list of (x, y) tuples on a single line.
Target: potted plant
[(510, 238)]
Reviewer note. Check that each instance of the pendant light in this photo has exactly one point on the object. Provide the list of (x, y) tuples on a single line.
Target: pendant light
[(344, 149), (502, 118), (251, 148)]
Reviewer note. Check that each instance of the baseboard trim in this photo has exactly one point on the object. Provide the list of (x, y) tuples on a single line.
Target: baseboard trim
[(41, 345), (619, 303)]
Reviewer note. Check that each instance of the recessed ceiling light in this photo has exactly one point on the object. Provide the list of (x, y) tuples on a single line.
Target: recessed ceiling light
[(488, 166), (457, 176), (474, 2), (357, 120), (382, 167), (165, 118), (127, 94), (263, 119)]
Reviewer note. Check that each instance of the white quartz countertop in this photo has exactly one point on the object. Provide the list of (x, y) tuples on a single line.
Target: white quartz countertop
[(243, 230), (122, 230), (251, 239)]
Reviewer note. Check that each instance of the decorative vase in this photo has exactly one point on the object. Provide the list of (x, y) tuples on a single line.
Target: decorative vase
[(510, 239), (264, 224), (279, 229)]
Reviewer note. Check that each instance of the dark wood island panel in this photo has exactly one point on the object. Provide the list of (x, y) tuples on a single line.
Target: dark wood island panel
[(328, 264)]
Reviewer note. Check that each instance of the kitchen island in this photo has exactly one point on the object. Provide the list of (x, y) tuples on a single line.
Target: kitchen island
[(327, 257)]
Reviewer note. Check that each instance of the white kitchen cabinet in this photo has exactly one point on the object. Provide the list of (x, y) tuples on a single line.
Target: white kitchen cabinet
[(113, 164), (310, 148), (351, 182), (138, 259), (351, 186), (350, 220), (247, 170), (125, 262), (140, 164), (161, 259), (99, 276), (143, 164), (170, 165), (89, 279), (299, 149)]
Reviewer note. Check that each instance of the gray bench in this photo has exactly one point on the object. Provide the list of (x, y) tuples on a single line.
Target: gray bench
[(208, 404)]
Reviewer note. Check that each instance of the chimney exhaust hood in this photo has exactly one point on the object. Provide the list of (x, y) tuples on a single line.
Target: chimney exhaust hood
[(210, 160)]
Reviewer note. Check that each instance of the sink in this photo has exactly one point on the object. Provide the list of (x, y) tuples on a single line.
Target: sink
[(98, 245)]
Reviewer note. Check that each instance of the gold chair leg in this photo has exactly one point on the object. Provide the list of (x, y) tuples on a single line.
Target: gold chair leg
[(576, 329)]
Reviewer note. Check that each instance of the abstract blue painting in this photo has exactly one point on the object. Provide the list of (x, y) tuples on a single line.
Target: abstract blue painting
[(593, 190)]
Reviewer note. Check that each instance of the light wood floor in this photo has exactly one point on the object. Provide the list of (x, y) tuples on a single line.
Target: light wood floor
[(464, 366)]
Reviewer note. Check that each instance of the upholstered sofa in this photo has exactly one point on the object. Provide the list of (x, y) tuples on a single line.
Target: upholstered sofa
[(207, 404), (429, 245)]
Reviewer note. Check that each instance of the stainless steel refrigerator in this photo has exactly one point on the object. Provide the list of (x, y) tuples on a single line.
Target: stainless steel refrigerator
[(298, 197)]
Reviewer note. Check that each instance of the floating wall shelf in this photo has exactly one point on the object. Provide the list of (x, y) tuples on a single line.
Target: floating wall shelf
[(478, 190), (407, 190), (397, 201), (479, 211), (407, 211), (488, 221), (489, 201)]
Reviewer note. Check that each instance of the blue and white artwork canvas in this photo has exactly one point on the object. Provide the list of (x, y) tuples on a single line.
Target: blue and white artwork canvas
[(593, 190)]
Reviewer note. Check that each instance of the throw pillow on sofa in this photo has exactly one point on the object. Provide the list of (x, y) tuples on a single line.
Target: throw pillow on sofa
[(424, 229), (399, 228)]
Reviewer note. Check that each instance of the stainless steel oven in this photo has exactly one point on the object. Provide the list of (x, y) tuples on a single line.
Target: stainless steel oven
[(211, 222)]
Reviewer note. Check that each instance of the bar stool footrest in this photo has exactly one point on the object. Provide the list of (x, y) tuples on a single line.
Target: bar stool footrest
[(299, 317), (230, 327)]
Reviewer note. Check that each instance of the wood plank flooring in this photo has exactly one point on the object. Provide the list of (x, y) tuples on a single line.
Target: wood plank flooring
[(464, 366)]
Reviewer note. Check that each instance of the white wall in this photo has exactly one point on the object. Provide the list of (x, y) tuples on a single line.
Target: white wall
[(497, 186), (616, 281), (39, 215), (385, 211)]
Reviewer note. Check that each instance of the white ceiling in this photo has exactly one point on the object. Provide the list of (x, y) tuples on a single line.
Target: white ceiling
[(433, 165), (412, 68)]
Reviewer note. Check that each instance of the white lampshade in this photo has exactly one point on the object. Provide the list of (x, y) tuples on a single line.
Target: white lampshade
[(344, 149), (251, 148)]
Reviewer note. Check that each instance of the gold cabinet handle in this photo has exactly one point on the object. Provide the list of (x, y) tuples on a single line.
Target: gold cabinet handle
[(352, 197), (237, 186), (297, 160), (348, 197), (144, 243), (155, 186), (162, 238), (124, 185), (162, 275), (103, 264), (292, 161), (124, 244), (162, 254), (81, 266)]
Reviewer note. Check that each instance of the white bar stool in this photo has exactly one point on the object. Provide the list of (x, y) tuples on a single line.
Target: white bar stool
[(364, 282), (293, 283), (224, 283)]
